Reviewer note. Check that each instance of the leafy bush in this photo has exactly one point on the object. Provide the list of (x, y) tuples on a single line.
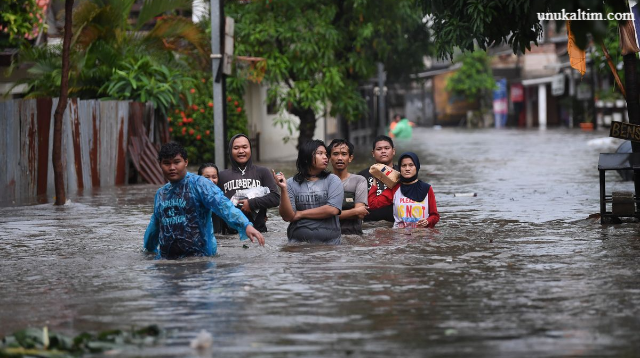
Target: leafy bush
[(19, 20), (143, 81), (192, 124), (474, 79)]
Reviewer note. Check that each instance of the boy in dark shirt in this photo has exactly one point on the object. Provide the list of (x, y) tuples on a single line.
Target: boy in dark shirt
[(383, 152)]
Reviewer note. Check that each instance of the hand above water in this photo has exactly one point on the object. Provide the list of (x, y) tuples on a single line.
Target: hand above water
[(281, 181), (253, 233), (422, 223)]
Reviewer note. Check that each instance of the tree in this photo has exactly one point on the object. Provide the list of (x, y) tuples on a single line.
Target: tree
[(319, 51), (474, 79), (56, 155), (463, 23)]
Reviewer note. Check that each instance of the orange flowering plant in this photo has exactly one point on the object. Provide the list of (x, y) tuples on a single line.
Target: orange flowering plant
[(192, 124)]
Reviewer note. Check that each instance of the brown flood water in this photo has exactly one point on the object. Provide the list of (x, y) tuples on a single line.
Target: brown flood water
[(518, 270)]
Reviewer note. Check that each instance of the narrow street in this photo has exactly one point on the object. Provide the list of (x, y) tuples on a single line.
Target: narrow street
[(519, 270)]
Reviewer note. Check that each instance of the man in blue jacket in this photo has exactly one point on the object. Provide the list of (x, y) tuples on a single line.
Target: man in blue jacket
[(181, 222)]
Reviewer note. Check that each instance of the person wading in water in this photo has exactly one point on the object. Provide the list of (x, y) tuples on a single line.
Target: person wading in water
[(180, 225)]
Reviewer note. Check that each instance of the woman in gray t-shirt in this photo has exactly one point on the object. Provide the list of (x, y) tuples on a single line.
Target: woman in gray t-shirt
[(315, 197)]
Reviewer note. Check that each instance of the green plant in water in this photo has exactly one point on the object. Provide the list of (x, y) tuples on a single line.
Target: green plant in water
[(35, 342)]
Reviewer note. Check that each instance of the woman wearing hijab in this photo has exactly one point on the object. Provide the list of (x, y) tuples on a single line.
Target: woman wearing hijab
[(414, 203)]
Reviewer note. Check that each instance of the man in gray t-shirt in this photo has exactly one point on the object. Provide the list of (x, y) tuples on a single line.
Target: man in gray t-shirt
[(354, 206)]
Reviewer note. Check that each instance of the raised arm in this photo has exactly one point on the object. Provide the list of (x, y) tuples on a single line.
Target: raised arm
[(286, 198)]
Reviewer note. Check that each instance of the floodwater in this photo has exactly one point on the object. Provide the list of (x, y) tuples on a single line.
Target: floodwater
[(519, 270)]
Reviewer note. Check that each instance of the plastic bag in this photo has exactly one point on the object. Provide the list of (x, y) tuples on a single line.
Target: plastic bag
[(249, 193)]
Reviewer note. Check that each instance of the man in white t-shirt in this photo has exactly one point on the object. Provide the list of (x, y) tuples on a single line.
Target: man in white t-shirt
[(354, 205)]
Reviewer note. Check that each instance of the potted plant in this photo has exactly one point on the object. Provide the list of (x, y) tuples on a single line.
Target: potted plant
[(587, 124)]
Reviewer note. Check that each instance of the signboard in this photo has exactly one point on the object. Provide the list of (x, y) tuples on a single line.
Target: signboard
[(227, 57), (626, 131), (517, 93), (500, 105), (584, 92), (557, 85)]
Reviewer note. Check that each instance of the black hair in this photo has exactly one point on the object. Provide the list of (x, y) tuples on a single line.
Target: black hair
[(396, 115), (207, 165), (337, 142), (171, 150), (382, 138), (306, 155)]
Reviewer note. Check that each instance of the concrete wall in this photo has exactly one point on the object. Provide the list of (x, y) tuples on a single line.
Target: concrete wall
[(272, 146)]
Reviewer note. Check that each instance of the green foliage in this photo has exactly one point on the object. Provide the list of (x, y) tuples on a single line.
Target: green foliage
[(45, 71), (463, 23), (474, 79), (35, 342), (318, 52), (612, 43), (143, 81), (192, 124), (105, 45), (19, 20)]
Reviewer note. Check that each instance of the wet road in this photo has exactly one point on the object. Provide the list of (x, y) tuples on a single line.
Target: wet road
[(518, 270)]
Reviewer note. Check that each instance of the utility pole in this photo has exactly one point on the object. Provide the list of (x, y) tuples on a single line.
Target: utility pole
[(217, 24), (382, 92)]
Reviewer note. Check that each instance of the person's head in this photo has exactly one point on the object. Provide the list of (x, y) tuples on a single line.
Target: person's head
[(340, 154), (383, 150), (240, 150), (409, 166), (396, 117), (209, 171), (173, 161), (312, 160)]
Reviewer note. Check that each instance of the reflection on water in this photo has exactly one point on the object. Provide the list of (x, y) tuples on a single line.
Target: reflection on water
[(516, 271)]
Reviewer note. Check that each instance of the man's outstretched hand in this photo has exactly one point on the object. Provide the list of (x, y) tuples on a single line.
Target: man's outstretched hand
[(255, 234)]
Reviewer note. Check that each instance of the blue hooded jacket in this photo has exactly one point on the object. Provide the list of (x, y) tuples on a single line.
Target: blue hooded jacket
[(181, 222)]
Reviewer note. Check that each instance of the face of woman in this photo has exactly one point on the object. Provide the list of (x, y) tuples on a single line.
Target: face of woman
[(407, 168), (320, 159), (211, 173)]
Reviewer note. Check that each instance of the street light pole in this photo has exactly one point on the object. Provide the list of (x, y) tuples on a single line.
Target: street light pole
[(382, 111), (218, 76)]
